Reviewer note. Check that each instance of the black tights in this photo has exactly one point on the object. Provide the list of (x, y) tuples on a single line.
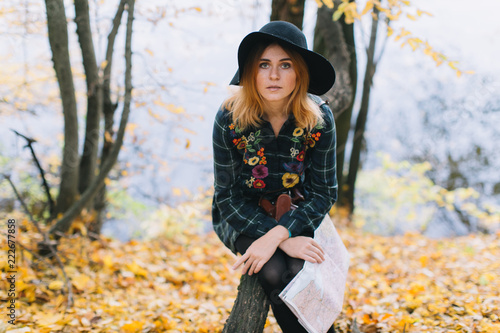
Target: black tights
[(274, 276)]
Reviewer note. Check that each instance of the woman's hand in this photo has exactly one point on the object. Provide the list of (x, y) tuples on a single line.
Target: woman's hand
[(261, 250), (304, 248)]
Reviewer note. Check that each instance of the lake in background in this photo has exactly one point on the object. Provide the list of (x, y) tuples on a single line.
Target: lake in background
[(418, 111)]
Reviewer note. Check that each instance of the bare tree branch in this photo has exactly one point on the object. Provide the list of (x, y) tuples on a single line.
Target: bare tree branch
[(42, 173)]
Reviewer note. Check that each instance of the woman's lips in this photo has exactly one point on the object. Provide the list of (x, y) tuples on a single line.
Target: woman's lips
[(273, 88)]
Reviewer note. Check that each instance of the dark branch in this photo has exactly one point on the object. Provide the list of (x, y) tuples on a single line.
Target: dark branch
[(42, 173)]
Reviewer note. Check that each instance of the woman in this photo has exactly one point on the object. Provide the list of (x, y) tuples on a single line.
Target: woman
[(269, 138)]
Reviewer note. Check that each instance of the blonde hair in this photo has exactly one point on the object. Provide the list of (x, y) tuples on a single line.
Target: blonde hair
[(246, 105)]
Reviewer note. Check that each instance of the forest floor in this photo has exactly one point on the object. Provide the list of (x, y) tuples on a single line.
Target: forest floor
[(184, 283)]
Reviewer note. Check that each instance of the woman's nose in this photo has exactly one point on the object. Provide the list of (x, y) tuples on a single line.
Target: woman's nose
[(274, 73)]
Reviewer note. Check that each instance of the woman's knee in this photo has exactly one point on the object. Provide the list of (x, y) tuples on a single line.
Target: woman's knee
[(271, 276)]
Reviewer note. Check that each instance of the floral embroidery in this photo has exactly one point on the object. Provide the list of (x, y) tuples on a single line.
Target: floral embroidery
[(242, 144), (311, 138), (259, 183), (250, 182), (294, 167), (254, 156), (234, 130), (254, 160), (301, 156), (255, 141), (260, 172), (298, 131), (310, 142), (290, 179)]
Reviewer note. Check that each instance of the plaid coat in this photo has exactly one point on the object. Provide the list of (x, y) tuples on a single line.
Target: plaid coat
[(250, 164)]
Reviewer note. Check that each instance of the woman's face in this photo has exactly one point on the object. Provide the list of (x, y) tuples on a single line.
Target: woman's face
[(276, 76)]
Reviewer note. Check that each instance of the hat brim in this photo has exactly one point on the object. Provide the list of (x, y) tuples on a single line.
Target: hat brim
[(321, 71)]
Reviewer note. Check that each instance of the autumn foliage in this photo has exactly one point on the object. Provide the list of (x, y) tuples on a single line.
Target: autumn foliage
[(183, 283)]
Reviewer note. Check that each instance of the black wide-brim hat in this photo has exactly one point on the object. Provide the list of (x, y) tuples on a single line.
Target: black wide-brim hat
[(321, 72)]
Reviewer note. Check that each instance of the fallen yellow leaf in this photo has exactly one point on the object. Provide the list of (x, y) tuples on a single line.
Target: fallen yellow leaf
[(56, 285)]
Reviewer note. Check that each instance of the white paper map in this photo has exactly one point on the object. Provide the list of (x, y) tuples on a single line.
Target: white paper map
[(316, 294)]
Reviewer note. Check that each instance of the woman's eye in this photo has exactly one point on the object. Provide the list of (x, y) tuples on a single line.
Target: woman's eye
[(286, 65), (264, 65)]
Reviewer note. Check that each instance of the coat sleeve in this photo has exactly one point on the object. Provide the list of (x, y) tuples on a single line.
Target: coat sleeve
[(243, 214), (320, 182)]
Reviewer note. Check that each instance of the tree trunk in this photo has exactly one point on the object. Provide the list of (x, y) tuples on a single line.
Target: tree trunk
[(58, 39), (288, 10), (88, 162), (335, 41), (250, 309), (65, 222), (363, 112), (109, 111)]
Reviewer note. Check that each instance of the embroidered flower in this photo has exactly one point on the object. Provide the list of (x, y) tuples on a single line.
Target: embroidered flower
[(290, 179), (250, 182), (301, 156), (259, 183), (236, 141), (294, 167), (310, 141), (242, 144), (254, 160), (251, 137), (233, 129), (263, 160), (298, 132), (294, 152), (261, 152), (260, 172), (316, 136)]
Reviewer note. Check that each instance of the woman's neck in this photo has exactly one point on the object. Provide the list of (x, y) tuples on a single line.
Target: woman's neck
[(275, 111)]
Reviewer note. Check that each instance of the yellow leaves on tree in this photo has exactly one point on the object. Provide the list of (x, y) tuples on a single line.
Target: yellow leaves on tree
[(392, 11), (169, 107), (328, 3), (349, 10)]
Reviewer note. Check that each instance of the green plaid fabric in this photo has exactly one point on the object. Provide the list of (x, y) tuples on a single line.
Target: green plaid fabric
[(255, 162)]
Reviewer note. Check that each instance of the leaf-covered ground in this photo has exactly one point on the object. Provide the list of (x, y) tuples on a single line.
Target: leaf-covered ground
[(185, 284)]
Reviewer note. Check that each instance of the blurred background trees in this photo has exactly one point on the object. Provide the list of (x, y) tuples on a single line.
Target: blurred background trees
[(180, 79)]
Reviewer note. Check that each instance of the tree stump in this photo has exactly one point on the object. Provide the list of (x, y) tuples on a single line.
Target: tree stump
[(250, 308)]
